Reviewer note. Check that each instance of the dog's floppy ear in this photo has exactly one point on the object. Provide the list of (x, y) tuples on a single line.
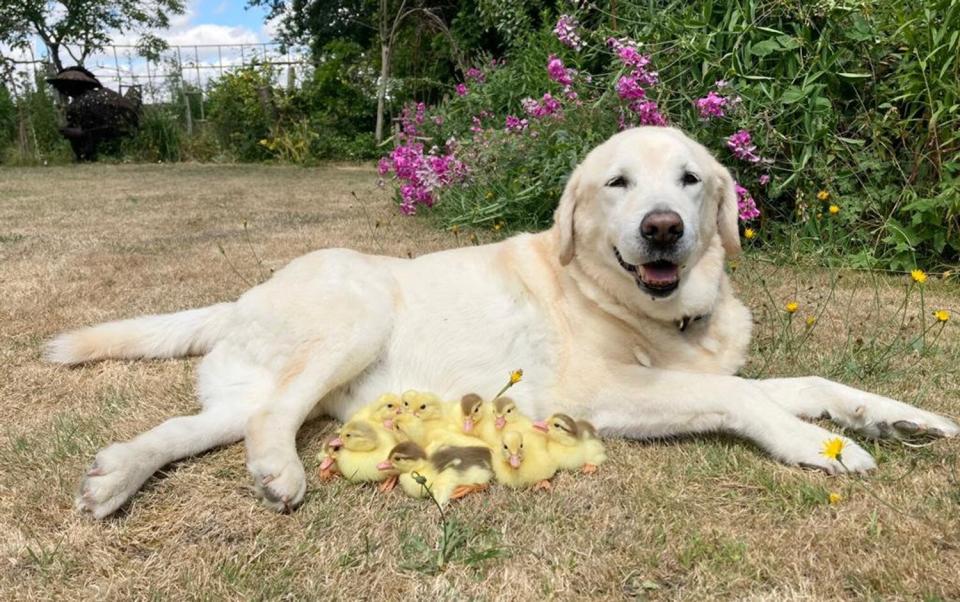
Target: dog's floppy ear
[(727, 211), (563, 217)]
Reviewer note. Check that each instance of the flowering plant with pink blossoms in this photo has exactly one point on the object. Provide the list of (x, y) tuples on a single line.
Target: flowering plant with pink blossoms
[(495, 152)]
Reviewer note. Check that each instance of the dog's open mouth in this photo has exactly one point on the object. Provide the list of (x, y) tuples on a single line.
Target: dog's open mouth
[(659, 278)]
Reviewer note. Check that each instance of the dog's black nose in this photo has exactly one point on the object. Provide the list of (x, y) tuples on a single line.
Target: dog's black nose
[(662, 228)]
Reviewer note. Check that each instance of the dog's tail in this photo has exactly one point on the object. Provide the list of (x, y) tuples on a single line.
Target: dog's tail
[(189, 332)]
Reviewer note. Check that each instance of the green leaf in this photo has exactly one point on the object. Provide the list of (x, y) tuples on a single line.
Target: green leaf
[(764, 48), (793, 94)]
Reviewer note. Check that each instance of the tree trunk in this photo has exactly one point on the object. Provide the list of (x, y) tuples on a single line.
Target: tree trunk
[(382, 88)]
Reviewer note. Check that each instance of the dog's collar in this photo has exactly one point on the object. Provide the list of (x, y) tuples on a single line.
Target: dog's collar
[(685, 321)]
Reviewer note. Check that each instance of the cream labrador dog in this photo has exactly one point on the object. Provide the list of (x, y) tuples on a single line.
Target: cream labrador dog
[(621, 313)]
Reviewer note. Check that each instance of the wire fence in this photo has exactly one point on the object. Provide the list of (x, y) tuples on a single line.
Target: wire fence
[(175, 71)]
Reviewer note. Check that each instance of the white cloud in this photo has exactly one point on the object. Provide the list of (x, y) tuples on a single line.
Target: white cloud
[(211, 34)]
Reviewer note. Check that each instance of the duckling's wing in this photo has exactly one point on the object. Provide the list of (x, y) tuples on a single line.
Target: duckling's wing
[(461, 459)]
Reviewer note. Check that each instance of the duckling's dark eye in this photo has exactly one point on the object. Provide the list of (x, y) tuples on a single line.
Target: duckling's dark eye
[(423, 407), (389, 406), (510, 410), (617, 182), (557, 425), (504, 446), (689, 178)]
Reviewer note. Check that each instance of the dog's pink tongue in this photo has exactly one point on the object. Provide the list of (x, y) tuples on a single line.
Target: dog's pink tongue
[(659, 273)]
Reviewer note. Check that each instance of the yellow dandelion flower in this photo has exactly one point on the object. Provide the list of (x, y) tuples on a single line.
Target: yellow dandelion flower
[(823, 195), (749, 233), (792, 307), (834, 209), (455, 229), (941, 315), (515, 377), (835, 497), (811, 320), (918, 275), (833, 448)]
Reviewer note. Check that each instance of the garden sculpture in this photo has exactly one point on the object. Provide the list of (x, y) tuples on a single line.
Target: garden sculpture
[(95, 114)]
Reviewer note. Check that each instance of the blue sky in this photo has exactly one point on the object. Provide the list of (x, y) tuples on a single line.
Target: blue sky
[(218, 22)]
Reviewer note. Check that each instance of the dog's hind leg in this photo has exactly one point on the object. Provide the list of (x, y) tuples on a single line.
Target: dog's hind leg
[(119, 470), (314, 371)]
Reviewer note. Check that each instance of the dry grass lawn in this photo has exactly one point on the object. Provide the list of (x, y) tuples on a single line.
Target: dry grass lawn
[(702, 518)]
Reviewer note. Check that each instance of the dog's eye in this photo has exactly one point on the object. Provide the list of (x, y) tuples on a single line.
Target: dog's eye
[(617, 182), (689, 178)]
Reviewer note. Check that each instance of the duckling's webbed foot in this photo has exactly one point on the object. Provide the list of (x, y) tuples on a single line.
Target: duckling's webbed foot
[(465, 490), (388, 485), (589, 468)]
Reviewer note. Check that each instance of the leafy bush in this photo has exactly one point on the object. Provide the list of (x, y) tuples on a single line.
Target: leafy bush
[(240, 110), (159, 137), (8, 119), (854, 99)]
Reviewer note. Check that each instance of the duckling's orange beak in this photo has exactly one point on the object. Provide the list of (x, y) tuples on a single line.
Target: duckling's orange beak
[(327, 463), (468, 425), (385, 465), (541, 425), (515, 460), (336, 443), (500, 422)]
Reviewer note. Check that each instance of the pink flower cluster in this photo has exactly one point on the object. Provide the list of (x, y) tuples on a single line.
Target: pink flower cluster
[(628, 88), (546, 106), (648, 113), (411, 118), (712, 105), (558, 72), (566, 32), (632, 87), (515, 124), (742, 147), (476, 75), (630, 56), (421, 174), (746, 206), (462, 89)]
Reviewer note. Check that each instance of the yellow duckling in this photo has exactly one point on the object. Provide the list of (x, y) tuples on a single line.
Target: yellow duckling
[(569, 446), (595, 453), (384, 410), (423, 415), (450, 472), (359, 449), (469, 414), (523, 462), (328, 466), (503, 413)]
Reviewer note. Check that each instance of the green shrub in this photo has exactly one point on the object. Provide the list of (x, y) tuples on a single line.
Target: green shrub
[(239, 113), (159, 137)]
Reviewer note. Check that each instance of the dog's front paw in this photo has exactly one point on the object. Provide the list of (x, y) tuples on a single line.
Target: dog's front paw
[(279, 479), (880, 417), (807, 449)]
